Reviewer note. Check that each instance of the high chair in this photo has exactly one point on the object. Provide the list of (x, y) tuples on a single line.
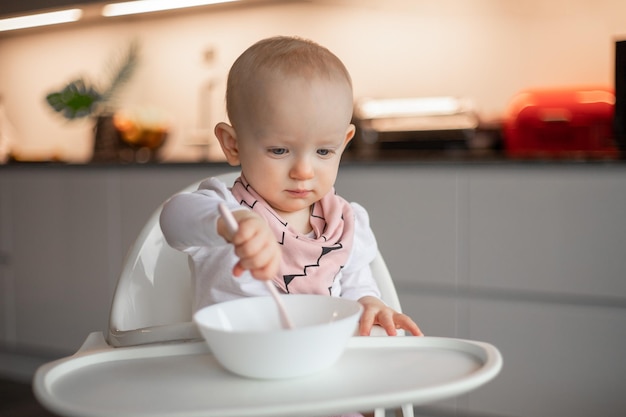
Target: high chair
[(151, 356), (152, 301)]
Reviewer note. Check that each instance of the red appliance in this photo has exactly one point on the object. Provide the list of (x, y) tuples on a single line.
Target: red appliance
[(561, 123)]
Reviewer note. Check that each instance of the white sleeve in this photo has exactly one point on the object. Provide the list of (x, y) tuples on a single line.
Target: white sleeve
[(357, 280), (188, 220)]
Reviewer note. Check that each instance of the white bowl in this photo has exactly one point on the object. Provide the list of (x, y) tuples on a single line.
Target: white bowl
[(247, 338)]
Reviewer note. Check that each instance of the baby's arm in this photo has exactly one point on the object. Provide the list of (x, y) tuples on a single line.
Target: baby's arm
[(254, 243), (377, 312), (188, 219)]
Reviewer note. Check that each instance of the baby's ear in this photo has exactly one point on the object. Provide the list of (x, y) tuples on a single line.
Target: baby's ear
[(350, 131), (227, 137)]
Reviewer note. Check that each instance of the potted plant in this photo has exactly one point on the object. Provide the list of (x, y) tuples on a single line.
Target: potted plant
[(82, 98)]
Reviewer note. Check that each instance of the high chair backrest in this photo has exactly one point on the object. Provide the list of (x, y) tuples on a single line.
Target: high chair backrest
[(152, 301)]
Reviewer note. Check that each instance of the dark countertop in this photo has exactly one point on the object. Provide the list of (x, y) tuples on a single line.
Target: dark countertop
[(486, 147), (348, 161)]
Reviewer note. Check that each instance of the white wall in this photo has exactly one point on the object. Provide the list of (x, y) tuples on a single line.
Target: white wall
[(486, 50)]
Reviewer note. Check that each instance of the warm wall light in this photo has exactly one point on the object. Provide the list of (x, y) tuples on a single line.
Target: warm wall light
[(146, 6), (403, 107), (40, 19)]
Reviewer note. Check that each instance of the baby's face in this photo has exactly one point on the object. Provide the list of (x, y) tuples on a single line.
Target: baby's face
[(292, 137)]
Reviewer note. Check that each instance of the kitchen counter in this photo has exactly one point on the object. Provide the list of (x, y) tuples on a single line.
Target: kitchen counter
[(486, 148), (388, 158)]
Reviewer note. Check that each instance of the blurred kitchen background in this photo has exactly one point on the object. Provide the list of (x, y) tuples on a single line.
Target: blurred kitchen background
[(479, 53), (515, 239)]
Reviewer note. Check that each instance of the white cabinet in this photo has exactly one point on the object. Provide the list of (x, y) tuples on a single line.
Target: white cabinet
[(546, 276), (413, 211), (60, 261), (531, 259), (558, 231), (65, 232), (559, 359)]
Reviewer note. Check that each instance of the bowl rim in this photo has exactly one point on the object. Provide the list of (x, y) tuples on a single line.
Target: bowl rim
[(297, 328)]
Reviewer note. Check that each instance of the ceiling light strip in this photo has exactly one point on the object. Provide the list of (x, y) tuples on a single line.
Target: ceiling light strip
[(147, 6), (40, 19)]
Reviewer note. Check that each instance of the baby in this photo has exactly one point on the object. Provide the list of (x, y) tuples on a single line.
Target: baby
[(289, 102)]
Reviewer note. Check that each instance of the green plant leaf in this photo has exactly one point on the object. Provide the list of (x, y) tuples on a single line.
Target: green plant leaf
[(80, 99), (76, 100)]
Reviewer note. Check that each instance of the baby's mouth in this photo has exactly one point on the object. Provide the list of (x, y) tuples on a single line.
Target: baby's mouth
[(299, 193)]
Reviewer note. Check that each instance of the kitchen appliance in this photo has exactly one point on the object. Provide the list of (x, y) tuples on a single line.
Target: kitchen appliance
[(566, 122), (416, 123)]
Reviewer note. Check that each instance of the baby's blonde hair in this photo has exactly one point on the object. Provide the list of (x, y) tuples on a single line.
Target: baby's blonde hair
[(288, 56)]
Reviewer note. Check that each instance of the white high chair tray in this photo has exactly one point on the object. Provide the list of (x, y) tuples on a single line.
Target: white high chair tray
[(185, 380)]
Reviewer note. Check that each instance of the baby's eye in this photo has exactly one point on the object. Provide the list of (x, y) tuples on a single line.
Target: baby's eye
[(277, 151), (324, 152)]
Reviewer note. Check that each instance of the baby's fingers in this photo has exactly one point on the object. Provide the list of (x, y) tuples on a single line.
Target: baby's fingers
[(366, 322), (261, 260), (403, 321), (238, 269), (386, 321)]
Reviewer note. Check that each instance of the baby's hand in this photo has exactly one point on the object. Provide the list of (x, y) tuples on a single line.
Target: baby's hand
[(255, 245), (376, 312)]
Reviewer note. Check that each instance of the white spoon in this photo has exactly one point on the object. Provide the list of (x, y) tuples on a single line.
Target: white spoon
[(232, 226)]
